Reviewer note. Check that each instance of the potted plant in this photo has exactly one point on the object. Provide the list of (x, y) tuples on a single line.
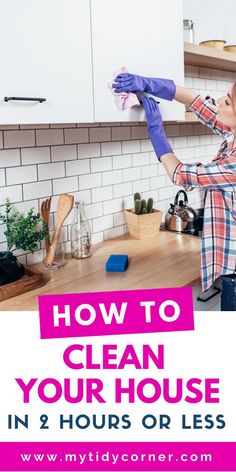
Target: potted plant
[(22, 232), (143, 220)]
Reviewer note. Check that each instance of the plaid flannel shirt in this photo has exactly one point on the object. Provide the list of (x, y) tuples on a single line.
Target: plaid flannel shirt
[(218, 178)]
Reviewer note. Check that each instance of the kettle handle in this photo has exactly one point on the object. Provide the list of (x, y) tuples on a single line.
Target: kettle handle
[(177, 197)]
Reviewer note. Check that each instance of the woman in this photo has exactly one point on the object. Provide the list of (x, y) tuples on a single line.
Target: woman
[(218, 178)]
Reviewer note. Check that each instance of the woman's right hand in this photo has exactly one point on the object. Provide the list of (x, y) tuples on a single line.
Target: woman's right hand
[(163, 88)]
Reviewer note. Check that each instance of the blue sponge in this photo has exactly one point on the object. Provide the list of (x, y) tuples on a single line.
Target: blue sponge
[(117, 263)]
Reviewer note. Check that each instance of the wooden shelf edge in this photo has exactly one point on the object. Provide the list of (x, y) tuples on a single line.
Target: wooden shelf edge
[(203, 56)]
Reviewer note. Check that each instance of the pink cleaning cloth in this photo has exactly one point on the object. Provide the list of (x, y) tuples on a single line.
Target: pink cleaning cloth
[(123, 100)]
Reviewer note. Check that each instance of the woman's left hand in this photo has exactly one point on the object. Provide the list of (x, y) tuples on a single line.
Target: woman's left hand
[(155, 128)]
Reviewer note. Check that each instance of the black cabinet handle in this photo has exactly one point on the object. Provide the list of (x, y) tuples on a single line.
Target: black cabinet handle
[(217, 290), (29, 99)]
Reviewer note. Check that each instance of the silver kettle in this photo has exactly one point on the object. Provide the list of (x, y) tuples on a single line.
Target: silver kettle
[(180, 217)]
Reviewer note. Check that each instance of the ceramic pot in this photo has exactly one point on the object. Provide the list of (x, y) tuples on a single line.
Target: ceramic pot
[(10, 268)]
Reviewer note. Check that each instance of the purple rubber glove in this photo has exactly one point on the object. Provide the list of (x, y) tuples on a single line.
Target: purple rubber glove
[(163, 88), (155, 128)]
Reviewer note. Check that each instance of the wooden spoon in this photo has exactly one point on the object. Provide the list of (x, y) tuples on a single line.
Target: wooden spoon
[(45, 212), (64, 206)]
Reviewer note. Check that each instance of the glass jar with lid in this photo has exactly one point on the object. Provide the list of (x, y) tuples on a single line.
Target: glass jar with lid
[(80, 233), (189, 35)]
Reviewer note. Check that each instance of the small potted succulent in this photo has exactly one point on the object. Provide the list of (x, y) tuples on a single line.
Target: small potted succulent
[(22, 232), (143, 220)]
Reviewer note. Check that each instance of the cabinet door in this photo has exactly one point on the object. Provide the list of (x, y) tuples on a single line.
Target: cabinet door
[(46, 52), (147, 41)]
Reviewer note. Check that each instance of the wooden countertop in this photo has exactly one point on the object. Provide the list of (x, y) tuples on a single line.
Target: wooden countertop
[(169, 260)]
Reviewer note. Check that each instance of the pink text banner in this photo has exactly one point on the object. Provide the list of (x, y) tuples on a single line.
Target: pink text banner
[(130, 456), (121, 312)]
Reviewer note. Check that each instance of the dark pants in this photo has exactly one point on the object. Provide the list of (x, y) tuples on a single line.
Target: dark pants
[(228, 294)]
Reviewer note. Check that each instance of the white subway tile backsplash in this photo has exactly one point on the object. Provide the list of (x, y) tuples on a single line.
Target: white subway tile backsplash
[(172, 130), (90, 181), (97, 238), (99, 134), (3, 246), (46, 137), (139, 132), (112, 206), (130, 146), (206, 139), (76, 135), (199, 151), (94, 210), (222, 86), (199, 83), (2, 235), (64, 153), (16, 139), (2, 178), (21, 175), (205, 73), (129, 201), (186, 153), (51, 171), (141, 185), (112, 177), (102, 194), (24, 207), (122, 190), (122, 133), (140, 159), (114, 233), (179, 142), (149, 171), (35, 155), (119, 218), (188, 82), (88, 150), (158, 182), (79, 167), (13, 192), (191, 71), (167, 192), (37, 190), (111, 149), (102, 223), (146, 145), (35, 258), (228, 75), (66, 185), (122, 161), (153, 160), (10, 158), (83, 196), (186, 130), (101, 164), (192, 141), (133, 173)]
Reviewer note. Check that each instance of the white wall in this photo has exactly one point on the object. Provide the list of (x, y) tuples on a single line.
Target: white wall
[(213, 19)]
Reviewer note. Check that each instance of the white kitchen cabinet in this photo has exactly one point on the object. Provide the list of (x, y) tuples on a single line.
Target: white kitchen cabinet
[(46, 52), (147, 39)]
